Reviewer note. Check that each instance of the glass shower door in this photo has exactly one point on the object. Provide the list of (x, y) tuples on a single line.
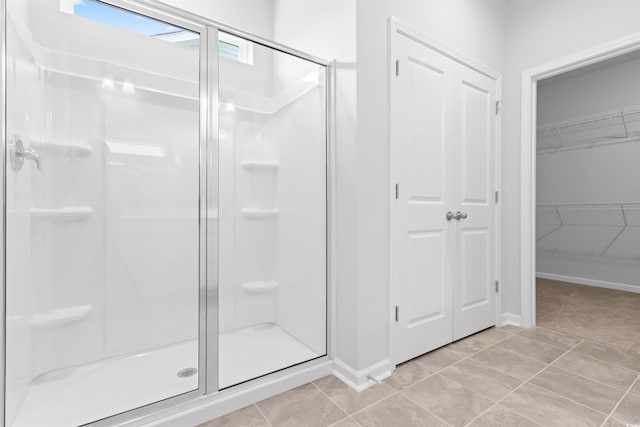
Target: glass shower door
[(102, 212), (272, 209)]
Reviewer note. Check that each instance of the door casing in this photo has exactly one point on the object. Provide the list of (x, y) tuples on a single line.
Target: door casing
[(529, 100)]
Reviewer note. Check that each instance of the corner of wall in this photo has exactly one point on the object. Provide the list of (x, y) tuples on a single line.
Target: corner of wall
[(360, 380)]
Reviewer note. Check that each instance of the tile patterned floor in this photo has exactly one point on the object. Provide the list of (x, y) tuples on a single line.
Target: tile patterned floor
[(499, 377)]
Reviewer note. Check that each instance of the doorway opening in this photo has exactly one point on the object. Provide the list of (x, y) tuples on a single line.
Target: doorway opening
[(580, 211)]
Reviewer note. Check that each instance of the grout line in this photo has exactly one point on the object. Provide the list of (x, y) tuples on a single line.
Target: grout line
[(330, 400), (620, 401), (375, 403), (520, 386), (569, 399), (590, 379), (426, 409), (263, 415), (607, 362)]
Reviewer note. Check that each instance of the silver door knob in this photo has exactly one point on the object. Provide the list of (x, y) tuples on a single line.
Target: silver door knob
[(461, 215), (17, 154), (449, 216)]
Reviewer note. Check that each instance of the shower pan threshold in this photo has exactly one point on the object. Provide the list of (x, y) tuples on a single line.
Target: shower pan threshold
[(75, 399)]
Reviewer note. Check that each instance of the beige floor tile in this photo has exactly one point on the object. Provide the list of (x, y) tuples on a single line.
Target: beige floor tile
[(579, 389), (613, 423), (447, 399), (348, 399), (616, 356), (486, 381), (602, 315), (347, 422), (629, 410), (532, 348), (549, 409), (406, 374), (397, 411), (499, 416), (302, 406), (248, 416), (511, 329), (510, 363), (613, 375), (636, 387), (550, 337), (439, 359), (479, 341)]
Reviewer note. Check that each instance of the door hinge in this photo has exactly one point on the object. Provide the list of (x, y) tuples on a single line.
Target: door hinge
[(397, 67), (497, 196), (498, 106), (397, 313), (497, 286), (397, 191)]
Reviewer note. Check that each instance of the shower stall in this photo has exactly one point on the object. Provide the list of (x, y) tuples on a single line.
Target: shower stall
[(165, 209)]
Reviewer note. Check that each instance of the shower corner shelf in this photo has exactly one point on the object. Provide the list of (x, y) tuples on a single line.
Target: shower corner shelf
[(257, 213), (69, 213), (260, 165), (74, 150), (261, 287), (60, 317)]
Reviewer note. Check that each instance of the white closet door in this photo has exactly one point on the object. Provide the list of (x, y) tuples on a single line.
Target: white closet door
[(474, 174), (421, 150)]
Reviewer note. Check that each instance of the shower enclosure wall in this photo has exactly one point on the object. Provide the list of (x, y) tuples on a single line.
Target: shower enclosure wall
[(165, 209)]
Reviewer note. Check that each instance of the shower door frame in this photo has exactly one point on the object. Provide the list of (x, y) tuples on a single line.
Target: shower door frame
[(208, 388)]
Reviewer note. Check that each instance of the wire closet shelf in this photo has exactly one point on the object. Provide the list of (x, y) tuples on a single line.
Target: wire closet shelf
[(624, 216), (611, 127)]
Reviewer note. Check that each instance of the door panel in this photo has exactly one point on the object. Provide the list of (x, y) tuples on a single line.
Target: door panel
[(442, 157), (421, 150), (474, 274)]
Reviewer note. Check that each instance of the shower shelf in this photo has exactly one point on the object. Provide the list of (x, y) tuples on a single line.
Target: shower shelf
[(74, 150), (256, 213), (260, 165), (261, 287), (69, 213), (60, 317)]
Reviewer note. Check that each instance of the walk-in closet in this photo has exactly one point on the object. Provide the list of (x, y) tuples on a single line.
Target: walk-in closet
[(588, 200)]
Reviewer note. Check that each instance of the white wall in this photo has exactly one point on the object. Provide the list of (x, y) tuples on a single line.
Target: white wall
[(538, 32), (475, 28), (603, 174)]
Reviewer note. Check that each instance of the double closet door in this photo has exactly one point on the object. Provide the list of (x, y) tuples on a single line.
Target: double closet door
[(443, 227)]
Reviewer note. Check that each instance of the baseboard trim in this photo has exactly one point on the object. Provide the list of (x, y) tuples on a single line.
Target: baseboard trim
[(205, 408), (510, 319), (360, 380), (589, 282)]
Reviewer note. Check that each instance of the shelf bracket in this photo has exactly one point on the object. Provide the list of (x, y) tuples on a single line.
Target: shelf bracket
[(624, 123), (546, 234), (626, 225), (560, 137)]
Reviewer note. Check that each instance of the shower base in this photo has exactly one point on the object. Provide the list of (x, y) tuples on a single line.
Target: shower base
[(90, 392), (97, 390), (258, 350)]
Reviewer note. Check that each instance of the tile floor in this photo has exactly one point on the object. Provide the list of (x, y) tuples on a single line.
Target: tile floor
[(499, 377), (599, 314)]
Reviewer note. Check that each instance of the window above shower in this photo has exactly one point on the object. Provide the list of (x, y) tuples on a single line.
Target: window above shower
[(229, 47)]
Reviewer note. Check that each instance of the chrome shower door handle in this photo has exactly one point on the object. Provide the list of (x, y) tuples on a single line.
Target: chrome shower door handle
[(17, 154)]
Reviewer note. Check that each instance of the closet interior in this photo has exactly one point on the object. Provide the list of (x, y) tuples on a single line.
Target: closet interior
[(588, 196)]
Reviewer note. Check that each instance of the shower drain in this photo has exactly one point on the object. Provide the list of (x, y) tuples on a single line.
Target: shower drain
[(187, 372)]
